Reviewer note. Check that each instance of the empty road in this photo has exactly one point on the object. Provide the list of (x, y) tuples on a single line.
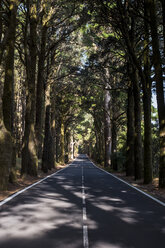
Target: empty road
[(81, 206)]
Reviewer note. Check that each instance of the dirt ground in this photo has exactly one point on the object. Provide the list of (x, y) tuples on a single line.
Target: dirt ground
[(152, 189), (25, 181)]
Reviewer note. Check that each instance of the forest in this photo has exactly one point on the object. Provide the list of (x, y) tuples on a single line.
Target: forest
[(82, 76)]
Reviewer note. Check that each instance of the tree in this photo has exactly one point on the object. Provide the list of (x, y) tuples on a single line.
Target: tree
[(159, 86), (29, 150)]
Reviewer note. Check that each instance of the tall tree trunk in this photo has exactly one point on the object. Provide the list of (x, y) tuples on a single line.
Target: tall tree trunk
[(62, 142), (163, 12), (53, 124), (48, 156), (147, 106), (48, 161), (107, 128), (114, 146), (72, 145), (0, 22), (5, 152), (29, 151), (2, 48), (114, 131), (9, 71), (138, 138), (99, 147), (40, 93), (5, 148), (159, 88), (138, 157), (57, 141), (67, 148), (8, 92), (130, 158)]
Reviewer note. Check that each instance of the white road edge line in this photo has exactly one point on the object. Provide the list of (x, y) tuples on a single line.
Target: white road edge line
[(144, 193), (32, 185), (85, 237)]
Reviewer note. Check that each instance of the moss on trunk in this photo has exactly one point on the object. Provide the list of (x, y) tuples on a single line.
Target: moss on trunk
[(5, 156)]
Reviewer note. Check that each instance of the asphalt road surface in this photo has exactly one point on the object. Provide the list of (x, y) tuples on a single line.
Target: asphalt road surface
[(80, 207)]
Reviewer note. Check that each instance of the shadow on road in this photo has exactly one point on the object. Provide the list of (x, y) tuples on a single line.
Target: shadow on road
[(49, 215)]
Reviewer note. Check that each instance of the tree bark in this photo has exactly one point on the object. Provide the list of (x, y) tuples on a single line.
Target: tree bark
[(107, 129), (147, 105), (40, 97), (53, 124), (114, 131), (163, 13), (8, 92), (159, 88), (29, 151), (48, 160), (48, 156), (0, 22), (5, 150), (9, 70), (138, 139), (138, 157), (99, 146), (57, 141), (130, 158), (62, 141)]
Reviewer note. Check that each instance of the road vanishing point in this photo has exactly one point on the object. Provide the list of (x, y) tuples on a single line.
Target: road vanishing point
[(81, 206)]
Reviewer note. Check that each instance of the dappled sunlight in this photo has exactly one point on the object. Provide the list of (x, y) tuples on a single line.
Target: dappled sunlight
[(52, 211), (36, 219), (108, 245), (106, 198), (105, 203), (43, 211)]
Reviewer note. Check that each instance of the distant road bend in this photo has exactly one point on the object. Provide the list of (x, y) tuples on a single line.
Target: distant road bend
[(79, 207)]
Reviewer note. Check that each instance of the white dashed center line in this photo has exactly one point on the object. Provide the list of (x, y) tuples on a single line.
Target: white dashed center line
[(85, 227), (83, 199), (85, 237), (84, 214)]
